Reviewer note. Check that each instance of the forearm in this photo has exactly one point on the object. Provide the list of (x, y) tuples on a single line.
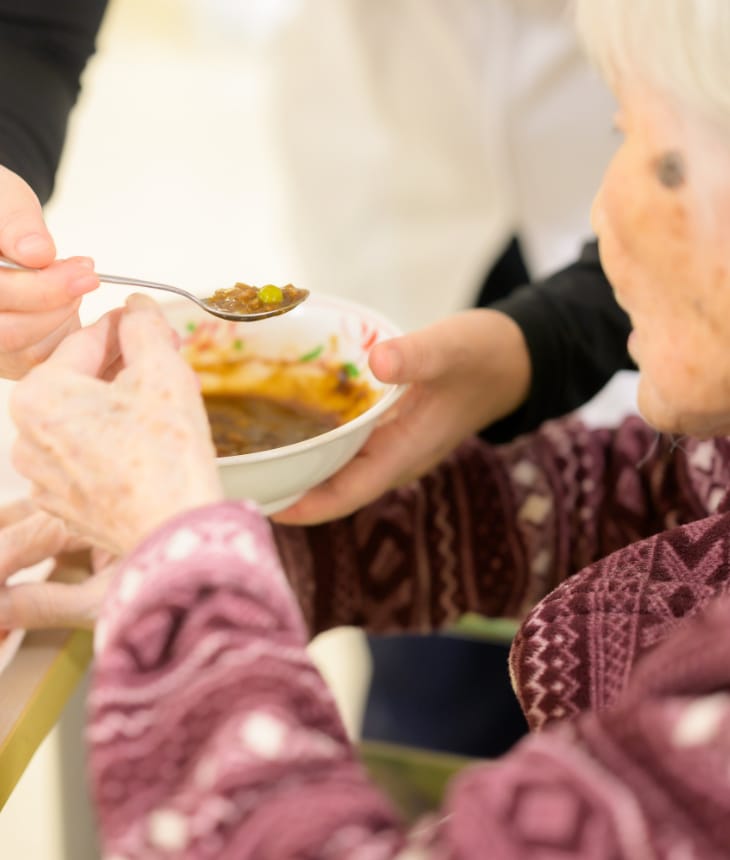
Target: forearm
[(206, 708), (575, 334), (500, 367), (44, 47)]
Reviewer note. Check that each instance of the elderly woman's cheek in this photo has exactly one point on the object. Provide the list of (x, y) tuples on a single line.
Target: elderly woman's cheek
[(691, 382), (616, 215), (602, 225)]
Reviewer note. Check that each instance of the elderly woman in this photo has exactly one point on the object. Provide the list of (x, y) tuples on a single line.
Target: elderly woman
[(212, 735)]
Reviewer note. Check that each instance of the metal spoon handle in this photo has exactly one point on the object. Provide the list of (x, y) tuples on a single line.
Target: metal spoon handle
[(9, 264), (153, 285), (168, 288), (108, 279)]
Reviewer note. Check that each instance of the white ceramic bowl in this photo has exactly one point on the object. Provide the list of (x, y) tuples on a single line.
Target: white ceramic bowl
[(331, 329)]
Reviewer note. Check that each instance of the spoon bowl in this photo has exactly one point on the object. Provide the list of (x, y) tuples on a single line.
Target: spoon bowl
[(240, 303)]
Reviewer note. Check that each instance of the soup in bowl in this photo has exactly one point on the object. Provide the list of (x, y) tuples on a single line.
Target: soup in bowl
[(290, 399)]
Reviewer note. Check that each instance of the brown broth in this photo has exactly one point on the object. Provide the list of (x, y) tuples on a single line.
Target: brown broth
[(241, 424), (256, 405)]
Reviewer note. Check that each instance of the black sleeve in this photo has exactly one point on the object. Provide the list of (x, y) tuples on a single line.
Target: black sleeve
[(576, 335), (44, 47)]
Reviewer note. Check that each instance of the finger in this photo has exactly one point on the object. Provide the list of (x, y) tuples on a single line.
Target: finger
[(17, 364), (47, 289), (147, 340), (19, 331), (55, 500), (113, 369), (144, 330), (140, 302), (52, 604), (16, 511), (91, 350), (30, 541), (24, 236), (423, 355)]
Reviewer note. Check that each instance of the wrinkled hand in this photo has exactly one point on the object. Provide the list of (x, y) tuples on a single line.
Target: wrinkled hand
[(464, 372), (37, 309), (29, 536), (114, 460)]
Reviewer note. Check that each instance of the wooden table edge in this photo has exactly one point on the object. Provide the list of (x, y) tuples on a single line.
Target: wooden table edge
[(54, 661)]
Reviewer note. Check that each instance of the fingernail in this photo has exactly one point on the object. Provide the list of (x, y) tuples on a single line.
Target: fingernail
[(33, 243), (140, 302), (84, 262), (82, 284)]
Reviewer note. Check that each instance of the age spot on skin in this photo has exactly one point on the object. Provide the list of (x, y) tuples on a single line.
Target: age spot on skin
[(716, 326), (669, 169)]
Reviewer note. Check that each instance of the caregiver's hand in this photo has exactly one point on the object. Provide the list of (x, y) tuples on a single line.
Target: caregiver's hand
[(37, 309), (29, 536), (465, 372), (114, 460)]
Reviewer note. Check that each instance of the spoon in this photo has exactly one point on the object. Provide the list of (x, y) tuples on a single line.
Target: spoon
[(241, 302)]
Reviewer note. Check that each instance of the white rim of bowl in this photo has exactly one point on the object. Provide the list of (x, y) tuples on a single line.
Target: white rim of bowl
[(391, 393)]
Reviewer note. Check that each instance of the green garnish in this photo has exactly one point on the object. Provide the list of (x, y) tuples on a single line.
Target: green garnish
[(238, 343), (191, 326), (310, 356), (350, 369)]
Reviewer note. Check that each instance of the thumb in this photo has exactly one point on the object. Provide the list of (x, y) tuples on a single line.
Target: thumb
[(24, 236), (421, 355)]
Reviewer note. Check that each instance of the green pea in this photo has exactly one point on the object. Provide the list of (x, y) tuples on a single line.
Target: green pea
[(271, 295)]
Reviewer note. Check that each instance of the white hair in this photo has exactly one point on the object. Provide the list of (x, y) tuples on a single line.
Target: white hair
[(679, 47)]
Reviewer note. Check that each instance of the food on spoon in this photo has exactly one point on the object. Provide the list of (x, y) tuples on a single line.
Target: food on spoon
[(245, 299), (271, 294)]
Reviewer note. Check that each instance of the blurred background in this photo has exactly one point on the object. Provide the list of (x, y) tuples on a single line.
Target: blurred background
[(385, 150)]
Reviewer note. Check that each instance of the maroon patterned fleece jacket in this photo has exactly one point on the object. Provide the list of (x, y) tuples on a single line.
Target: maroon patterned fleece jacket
[(212, 735)]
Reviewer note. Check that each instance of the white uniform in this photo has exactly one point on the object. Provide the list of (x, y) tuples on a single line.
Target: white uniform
[(416, 136)]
